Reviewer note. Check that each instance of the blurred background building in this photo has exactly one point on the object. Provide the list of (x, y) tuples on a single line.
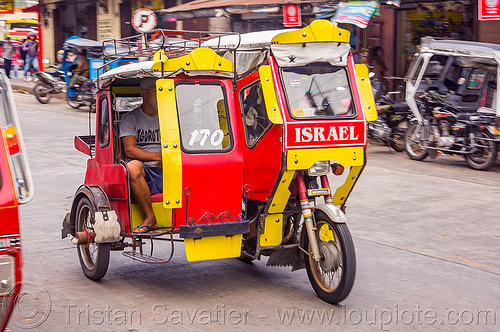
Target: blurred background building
[(397, 26)]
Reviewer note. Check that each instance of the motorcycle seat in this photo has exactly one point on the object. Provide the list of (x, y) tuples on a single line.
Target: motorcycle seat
[(401, 108)]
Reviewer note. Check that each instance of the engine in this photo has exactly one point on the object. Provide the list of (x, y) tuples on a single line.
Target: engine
[(379, 130)]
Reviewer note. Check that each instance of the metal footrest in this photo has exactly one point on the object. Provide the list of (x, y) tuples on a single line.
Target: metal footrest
[(144, 258), (152, 234)]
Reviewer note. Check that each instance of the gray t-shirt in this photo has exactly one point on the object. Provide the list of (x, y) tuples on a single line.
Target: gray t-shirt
[(7, 51), (146, 130)]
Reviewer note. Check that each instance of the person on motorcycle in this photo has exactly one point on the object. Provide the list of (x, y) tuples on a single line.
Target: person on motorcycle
[(81, 70), (140, 134)]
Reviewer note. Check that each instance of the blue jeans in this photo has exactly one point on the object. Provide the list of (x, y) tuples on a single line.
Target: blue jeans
[(30, 61)]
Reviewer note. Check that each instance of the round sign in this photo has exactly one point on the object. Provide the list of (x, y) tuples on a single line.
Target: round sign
[(143, 20)]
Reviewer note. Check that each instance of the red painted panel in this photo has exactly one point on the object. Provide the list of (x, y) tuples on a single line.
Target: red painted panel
[(263, 161), (105, 155), (7, 193), (323, 134), (215, 179)]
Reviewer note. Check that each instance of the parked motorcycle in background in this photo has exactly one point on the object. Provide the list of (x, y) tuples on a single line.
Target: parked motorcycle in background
[(50, 82), (392, 122), (443, 128)]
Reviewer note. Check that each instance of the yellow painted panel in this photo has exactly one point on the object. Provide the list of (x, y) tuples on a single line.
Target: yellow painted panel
[(317, 31), (213, 247), (201, 58), (170, 144), (272, 107), (125, 90), (305, 158), (343, 191), (163, 216), (273, 230), (280, 197), (365, 88)]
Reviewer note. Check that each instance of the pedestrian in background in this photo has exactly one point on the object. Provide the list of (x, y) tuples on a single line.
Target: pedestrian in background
[(376, 61), (31, 48), (7, 55)]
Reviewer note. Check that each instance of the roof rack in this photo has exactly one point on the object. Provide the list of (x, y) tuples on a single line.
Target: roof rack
[(141, 46)]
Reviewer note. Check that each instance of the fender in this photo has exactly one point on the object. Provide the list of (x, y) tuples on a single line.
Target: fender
[(333, 212), (97, 198)]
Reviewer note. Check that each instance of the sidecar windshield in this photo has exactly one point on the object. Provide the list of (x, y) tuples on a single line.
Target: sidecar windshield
[(203, 117), (318, 91)]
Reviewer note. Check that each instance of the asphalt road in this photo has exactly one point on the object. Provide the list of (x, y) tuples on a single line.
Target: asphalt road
[(427, 239)]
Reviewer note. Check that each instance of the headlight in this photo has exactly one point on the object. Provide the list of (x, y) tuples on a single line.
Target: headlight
[(319, 168)]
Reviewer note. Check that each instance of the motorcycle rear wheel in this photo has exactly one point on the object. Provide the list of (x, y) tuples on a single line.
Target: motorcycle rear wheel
[(42, 92), (413, 148), (485, 156), (73, 103), (332, 277)]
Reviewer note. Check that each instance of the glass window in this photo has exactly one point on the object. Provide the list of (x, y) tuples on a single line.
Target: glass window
[(203, 117), (318, 91), (476, 79), (103, 122), (254, 112)]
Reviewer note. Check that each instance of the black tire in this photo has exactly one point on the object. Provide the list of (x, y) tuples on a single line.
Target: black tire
[(398, 137), (42, 92), (485, 156), (73, 103), (412, 147), (94, 258), (335, 242)]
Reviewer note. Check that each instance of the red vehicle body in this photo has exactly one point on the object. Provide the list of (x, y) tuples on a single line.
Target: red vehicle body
[(15, 189), (246, 153)]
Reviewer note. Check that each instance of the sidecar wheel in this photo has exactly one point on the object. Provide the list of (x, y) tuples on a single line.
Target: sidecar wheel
[(486, 154), (332, 277), (413, 149), (42, 93), (94, 258)]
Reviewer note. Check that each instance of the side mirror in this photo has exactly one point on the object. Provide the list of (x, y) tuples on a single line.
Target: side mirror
[(269, 93)]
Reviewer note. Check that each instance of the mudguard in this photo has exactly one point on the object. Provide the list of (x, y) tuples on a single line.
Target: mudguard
[(333, 212), (97, 198)]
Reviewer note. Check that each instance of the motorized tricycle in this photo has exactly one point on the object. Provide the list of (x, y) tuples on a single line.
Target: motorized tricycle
[(451, 88), (251, 126), (16, 187), (57, 80)]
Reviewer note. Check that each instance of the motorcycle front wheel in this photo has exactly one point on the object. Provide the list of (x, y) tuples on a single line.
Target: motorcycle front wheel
[(412, 143), (73, 103), (42, 92), (485, 155), (332, 277)]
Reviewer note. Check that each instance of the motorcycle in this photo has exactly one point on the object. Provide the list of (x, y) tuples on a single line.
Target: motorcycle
[(84, 95), (50, 82), (392, 122), (449, 131)]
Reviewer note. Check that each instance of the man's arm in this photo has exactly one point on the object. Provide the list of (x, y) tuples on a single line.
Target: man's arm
[(133, 152)]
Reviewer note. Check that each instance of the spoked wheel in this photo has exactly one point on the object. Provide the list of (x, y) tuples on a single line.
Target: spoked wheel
[(332, 277), (42, 92), (412, 142), (398, 137), (485, 155), (94, 258)]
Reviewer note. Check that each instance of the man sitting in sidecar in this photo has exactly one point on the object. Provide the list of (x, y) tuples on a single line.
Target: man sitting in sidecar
[(140, 134)]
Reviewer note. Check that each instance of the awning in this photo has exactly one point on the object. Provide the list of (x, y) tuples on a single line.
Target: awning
[(217, 8)]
